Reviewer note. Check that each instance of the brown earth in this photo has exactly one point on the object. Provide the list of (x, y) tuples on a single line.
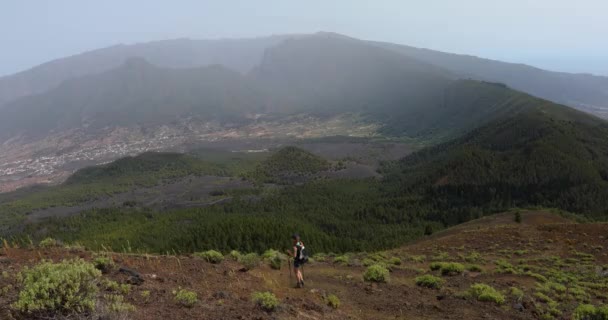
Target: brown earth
[(224, 291)]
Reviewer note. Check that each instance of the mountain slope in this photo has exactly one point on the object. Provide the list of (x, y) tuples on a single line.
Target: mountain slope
[(237, 54), (135, 93), (326, 73), (547, 155), (583, 91)]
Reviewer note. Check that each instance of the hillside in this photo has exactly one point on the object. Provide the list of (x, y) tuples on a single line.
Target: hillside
[(237, 54), (136, 93), (583, 91), (545, 267), (548, 155)]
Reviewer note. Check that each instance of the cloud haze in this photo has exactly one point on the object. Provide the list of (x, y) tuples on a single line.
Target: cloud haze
[(553, 34)]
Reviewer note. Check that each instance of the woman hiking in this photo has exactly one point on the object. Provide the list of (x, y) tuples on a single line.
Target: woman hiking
[(299, 258)]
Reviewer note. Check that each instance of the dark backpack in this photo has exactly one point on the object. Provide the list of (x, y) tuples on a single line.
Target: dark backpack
[(302, 253)]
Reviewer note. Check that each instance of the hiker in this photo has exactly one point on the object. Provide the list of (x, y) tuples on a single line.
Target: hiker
[(299, 258)]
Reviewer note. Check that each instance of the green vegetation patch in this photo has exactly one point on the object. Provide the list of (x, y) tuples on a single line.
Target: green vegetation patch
[(66, 287), (484, 292), (429, 281), (265, 300), (333, 301), (376, 273), (211, 256), (185, 297)]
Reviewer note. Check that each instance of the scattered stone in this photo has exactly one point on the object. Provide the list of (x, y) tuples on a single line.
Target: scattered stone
[(221, 295), (519, 307), (136, 281), (135, 277)]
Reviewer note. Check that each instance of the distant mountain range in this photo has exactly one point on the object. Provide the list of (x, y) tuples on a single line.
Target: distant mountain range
[(586, 92)]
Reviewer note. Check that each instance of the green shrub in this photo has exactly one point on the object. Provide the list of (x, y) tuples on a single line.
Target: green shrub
[(483, 292), (210, 256), (265, 300), (447, 268), (333, 301), (125, 288), (590, 312), (270, 254), (473, 257), (117, 304), (376, 273), (320, 257), (250, 261), (145, 295), (47, 243), (517, 293), (418, 259), (110, 285), (103, 263), (276, 262), (185, 297), (429, 281), (395, 261), (66, 287), (434, 266), (474, 268), (234, 255), (367, 262), (342, 259), (451, 268)]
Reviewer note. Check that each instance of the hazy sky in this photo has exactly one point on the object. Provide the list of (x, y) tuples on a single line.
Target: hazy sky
[(554, 34)]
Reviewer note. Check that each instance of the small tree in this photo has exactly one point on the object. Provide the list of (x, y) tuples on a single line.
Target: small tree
[(517, 217)]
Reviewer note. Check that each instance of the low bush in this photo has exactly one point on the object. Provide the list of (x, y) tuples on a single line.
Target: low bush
[(517, 293), (66, 287), (116, 304), (590, 312), (452, 268), (447, 268), (145, 295), (367, 262), (474, 268), (234, 255), (250, 261), (103, 263), (265, 300), (276, 262), (395, 261), (429, 281), (47, 243), (342, 259), (110, 285), (270, 254), (376, 273), (333, 301), (211, 256), (418, 259), (185, 297), (484, 292)]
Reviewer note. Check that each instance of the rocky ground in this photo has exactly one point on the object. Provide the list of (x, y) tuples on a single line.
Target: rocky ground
[(554, 264)]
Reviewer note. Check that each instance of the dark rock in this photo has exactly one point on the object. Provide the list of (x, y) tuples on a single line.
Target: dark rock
[(221, 295), (136, 281), (519, 307), (135, 277), (130, 272)]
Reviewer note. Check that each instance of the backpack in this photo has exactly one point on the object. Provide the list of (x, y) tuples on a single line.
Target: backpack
[(302, 253)]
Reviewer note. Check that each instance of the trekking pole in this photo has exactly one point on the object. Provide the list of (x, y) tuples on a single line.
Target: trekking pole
[(289, 265)]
